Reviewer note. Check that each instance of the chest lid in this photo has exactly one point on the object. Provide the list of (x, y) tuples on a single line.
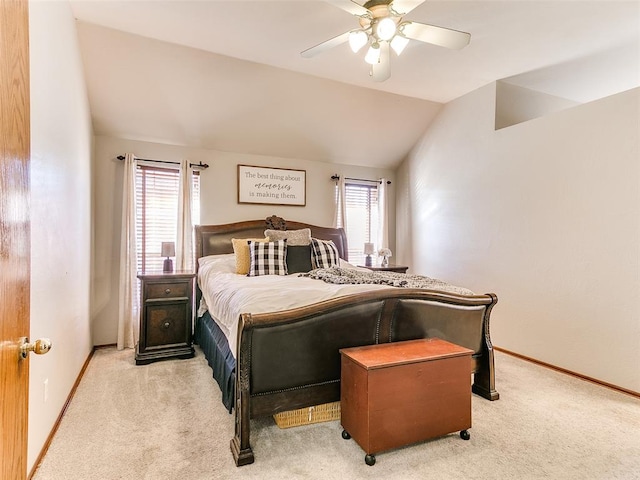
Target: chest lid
[(399, 353)]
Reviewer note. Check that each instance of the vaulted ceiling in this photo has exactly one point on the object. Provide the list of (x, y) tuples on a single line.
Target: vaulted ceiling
[(228, 75)]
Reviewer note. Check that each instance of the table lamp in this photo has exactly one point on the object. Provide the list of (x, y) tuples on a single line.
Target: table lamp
[(168, 250), (368, 251)]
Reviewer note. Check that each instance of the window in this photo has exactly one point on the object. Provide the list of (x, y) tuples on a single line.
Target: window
[(361, 202), (157, 212)]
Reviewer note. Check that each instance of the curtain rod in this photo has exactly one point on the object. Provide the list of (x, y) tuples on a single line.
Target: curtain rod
[(194, 165), (336, 177)]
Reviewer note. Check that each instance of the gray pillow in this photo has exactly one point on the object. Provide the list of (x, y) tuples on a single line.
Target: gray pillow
[(293, 237)]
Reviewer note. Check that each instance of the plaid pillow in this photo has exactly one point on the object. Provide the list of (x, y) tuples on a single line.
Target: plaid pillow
[(268, 258), (325, 254)]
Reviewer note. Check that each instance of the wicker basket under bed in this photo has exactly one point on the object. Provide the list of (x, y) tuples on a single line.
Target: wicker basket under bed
[(306, 416)]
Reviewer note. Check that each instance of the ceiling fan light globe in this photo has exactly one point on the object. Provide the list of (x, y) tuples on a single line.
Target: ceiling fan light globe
[(357, 40), (399, 43), (373, 54), (385, 28)]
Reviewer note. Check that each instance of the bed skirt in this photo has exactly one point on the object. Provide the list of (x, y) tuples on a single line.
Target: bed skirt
[(218, 354)]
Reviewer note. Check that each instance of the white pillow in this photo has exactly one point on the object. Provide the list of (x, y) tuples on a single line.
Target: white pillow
[(220, 263)]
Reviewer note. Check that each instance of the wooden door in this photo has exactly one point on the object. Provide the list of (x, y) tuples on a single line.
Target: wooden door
[(14, 235)]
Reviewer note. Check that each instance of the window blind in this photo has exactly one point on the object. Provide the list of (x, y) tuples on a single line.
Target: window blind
[(157, 212), (361, 201)]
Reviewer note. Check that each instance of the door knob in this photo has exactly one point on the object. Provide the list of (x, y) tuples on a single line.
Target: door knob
[(39, 347)]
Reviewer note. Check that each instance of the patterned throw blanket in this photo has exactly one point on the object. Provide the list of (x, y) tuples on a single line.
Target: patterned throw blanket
[(348, 276)]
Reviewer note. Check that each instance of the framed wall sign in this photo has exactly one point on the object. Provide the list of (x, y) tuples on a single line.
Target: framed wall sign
[(272, 186)]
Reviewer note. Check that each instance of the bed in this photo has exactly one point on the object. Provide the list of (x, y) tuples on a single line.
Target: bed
[(284, 359)]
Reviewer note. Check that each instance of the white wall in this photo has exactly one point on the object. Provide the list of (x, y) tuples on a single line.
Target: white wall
[(515, 104), (60, 214), (218, 205), (546, 214)]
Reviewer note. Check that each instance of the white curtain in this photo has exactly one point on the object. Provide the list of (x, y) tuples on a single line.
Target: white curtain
[(128, 316), (340, 215), (184, 245), (382, 237)]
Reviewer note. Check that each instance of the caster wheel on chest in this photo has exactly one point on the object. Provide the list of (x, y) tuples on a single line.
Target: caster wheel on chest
[(370, 460)]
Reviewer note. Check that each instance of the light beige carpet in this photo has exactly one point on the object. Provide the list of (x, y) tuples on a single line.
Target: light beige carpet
[(165, 421)]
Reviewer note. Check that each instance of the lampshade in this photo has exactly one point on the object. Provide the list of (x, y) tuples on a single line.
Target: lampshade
[(357, 40), (373, 55), (398, 43), (385, 29), (368, 249), (168, 249)]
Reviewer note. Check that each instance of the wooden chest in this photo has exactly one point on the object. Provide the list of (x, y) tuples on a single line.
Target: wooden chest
[(395, 394)]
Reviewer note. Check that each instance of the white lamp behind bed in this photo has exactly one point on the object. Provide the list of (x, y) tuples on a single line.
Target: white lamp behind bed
[(368, 251)]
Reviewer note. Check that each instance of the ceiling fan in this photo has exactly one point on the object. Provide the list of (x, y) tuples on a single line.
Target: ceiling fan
[(382, 27)]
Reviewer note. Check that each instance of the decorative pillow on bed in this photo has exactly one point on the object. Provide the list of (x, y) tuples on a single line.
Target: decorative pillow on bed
[(325, 253), (293, 237), (225, 262), (241, 249), (298, 259), (268, 258)]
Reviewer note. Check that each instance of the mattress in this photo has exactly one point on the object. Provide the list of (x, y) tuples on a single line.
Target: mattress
[(226, 294)]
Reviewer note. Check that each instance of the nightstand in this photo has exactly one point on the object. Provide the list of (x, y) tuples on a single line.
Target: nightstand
[(389, 268), (166, 319)]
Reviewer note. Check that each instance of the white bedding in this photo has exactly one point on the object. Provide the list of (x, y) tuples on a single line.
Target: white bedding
[(227, 294)]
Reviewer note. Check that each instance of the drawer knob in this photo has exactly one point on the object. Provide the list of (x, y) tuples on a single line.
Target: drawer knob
[(167, 291), (166, 325)]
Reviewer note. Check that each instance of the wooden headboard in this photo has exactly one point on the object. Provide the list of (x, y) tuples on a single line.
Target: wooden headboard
[(216, 239)]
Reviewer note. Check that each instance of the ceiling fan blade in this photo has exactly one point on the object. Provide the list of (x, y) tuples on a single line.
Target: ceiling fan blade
[(405, 6), (326, 45), (444, 37), (382, 70), (349, 6)]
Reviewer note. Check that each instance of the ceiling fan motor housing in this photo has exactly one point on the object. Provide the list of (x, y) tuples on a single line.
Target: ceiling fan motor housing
[(380, 11), (375, 4)]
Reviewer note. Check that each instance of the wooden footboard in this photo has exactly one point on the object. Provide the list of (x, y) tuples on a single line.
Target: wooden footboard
[(289, 360)]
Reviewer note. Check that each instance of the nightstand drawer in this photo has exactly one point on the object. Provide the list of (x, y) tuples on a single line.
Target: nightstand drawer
[(167, 324), (167, 290)]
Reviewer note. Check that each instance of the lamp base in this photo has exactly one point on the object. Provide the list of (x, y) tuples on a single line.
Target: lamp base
[(168, 266), (367, 261)]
